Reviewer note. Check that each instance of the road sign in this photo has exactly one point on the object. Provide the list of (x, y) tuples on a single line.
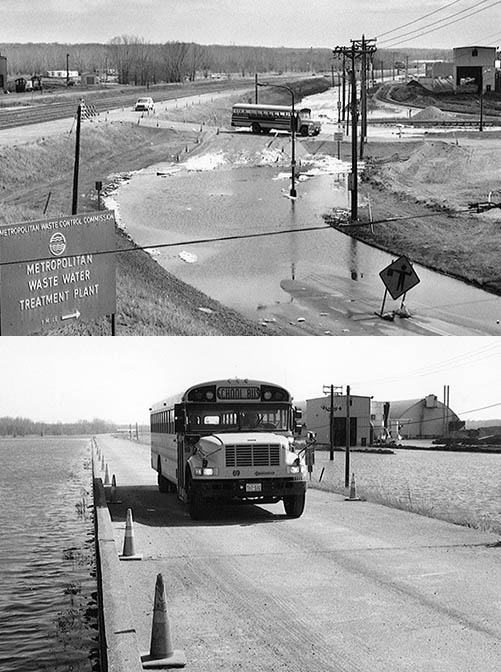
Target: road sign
[(53, 272), (399, 277)]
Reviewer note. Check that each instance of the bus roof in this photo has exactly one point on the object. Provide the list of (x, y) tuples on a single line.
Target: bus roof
[(273, 108), (164, 404)]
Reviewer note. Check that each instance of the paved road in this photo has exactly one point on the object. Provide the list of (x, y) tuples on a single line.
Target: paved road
[(349, 587)]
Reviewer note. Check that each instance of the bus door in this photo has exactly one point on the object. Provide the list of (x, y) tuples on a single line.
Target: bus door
[(181, 462), (180, 429)]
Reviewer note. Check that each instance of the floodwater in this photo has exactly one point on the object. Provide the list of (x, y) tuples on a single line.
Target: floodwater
[(464, 488), (325, 270), (48, 607)]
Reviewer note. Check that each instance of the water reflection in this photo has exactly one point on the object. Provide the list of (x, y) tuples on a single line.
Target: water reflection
[(249, 272)]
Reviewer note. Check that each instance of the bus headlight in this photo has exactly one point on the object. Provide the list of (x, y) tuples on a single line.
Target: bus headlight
[(206, 471), (294, 469)]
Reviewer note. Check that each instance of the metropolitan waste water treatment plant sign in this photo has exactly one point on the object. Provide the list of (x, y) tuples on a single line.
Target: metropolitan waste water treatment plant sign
[(54, 271)]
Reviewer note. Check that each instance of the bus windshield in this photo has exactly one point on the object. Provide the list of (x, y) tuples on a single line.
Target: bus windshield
[(260, 418)]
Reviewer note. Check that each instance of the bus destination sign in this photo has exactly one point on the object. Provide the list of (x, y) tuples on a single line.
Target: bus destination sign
[(53, 272), (239, 393)]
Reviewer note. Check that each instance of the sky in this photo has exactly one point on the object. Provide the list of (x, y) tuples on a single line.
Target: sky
[(291, 23), (119, 378)]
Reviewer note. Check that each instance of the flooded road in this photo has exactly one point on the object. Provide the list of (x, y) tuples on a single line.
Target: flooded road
[(321, 281)]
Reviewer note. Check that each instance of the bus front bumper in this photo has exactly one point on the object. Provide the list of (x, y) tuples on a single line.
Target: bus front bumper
[(263, 490)]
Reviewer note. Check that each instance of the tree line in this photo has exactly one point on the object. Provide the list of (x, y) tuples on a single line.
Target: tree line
[(136, 61), (24, 427)]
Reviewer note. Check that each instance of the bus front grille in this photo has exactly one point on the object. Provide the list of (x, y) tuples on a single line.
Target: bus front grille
[(261, 455)]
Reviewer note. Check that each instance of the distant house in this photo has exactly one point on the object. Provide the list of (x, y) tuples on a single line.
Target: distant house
[(89, 79)]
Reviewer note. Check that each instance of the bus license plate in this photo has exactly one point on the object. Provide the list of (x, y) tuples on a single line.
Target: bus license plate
[(253, 487)]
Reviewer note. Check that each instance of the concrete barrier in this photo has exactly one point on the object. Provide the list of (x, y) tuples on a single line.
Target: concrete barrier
[(119, 650)]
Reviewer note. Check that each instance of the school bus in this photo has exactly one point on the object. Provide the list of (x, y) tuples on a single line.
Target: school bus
[(264, 118), (229, 441)]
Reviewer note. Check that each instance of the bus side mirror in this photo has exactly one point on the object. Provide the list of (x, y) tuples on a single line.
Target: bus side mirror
[(311, 437), (179, 418), (298, 428)]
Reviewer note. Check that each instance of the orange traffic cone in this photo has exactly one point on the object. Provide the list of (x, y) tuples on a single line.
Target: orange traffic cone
[(129, 550), (161, 652), (353, 491)]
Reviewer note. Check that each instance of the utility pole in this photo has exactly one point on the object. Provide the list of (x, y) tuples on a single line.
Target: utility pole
[(331, 426), (359, 48), (347, 455), (74, 206)]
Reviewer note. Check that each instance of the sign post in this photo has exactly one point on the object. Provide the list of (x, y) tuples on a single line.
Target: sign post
[(56, 271), (398, 278)]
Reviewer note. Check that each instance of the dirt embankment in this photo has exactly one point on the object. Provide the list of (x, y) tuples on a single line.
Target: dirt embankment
[(428, 186)]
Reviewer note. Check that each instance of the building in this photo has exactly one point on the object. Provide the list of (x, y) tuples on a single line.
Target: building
[(318, 419), (424, 418), (474, 69), (3, 74), (436, 69)]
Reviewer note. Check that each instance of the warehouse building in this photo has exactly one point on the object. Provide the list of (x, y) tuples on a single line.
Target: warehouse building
[(424, 418), (474, 69), (318, 419)]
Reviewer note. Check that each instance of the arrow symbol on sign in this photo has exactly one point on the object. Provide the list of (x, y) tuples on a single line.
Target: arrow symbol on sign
[(75, 315)]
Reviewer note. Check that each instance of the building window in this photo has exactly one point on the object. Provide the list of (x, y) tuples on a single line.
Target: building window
[(474, 52)]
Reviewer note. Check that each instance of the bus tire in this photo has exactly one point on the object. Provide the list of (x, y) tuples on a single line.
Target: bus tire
[(294, 505), (256, 128), (303, 131), (196, 503), (163, 483)]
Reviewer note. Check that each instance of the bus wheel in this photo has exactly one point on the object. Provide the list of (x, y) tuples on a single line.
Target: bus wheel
[(304, 131), (195, 502), (163, 483), (256, 128), (294, 505)]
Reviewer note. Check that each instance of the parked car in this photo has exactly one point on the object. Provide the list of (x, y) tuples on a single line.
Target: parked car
[(144, 105)]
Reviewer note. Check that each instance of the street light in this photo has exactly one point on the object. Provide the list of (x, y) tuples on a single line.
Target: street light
[(293, 192)]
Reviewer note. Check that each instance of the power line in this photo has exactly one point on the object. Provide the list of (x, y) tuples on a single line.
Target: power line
[(197, 241), (242, 236), (449, 23), (424, 16)]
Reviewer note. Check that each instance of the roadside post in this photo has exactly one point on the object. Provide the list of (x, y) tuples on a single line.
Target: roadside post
[(293, 192), (398, 277), (338, 136)]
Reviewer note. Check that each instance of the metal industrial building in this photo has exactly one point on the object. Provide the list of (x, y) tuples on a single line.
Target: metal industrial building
[(424, 418), (318, 419), (474, 69)]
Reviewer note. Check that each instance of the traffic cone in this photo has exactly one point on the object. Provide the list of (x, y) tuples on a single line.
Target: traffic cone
[(113, 491), (353, 491), (129, 549), (161, 652), (106, 476)]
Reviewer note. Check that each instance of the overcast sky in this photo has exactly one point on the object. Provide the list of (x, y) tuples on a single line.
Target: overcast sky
[(292, 23), (71, 378)]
